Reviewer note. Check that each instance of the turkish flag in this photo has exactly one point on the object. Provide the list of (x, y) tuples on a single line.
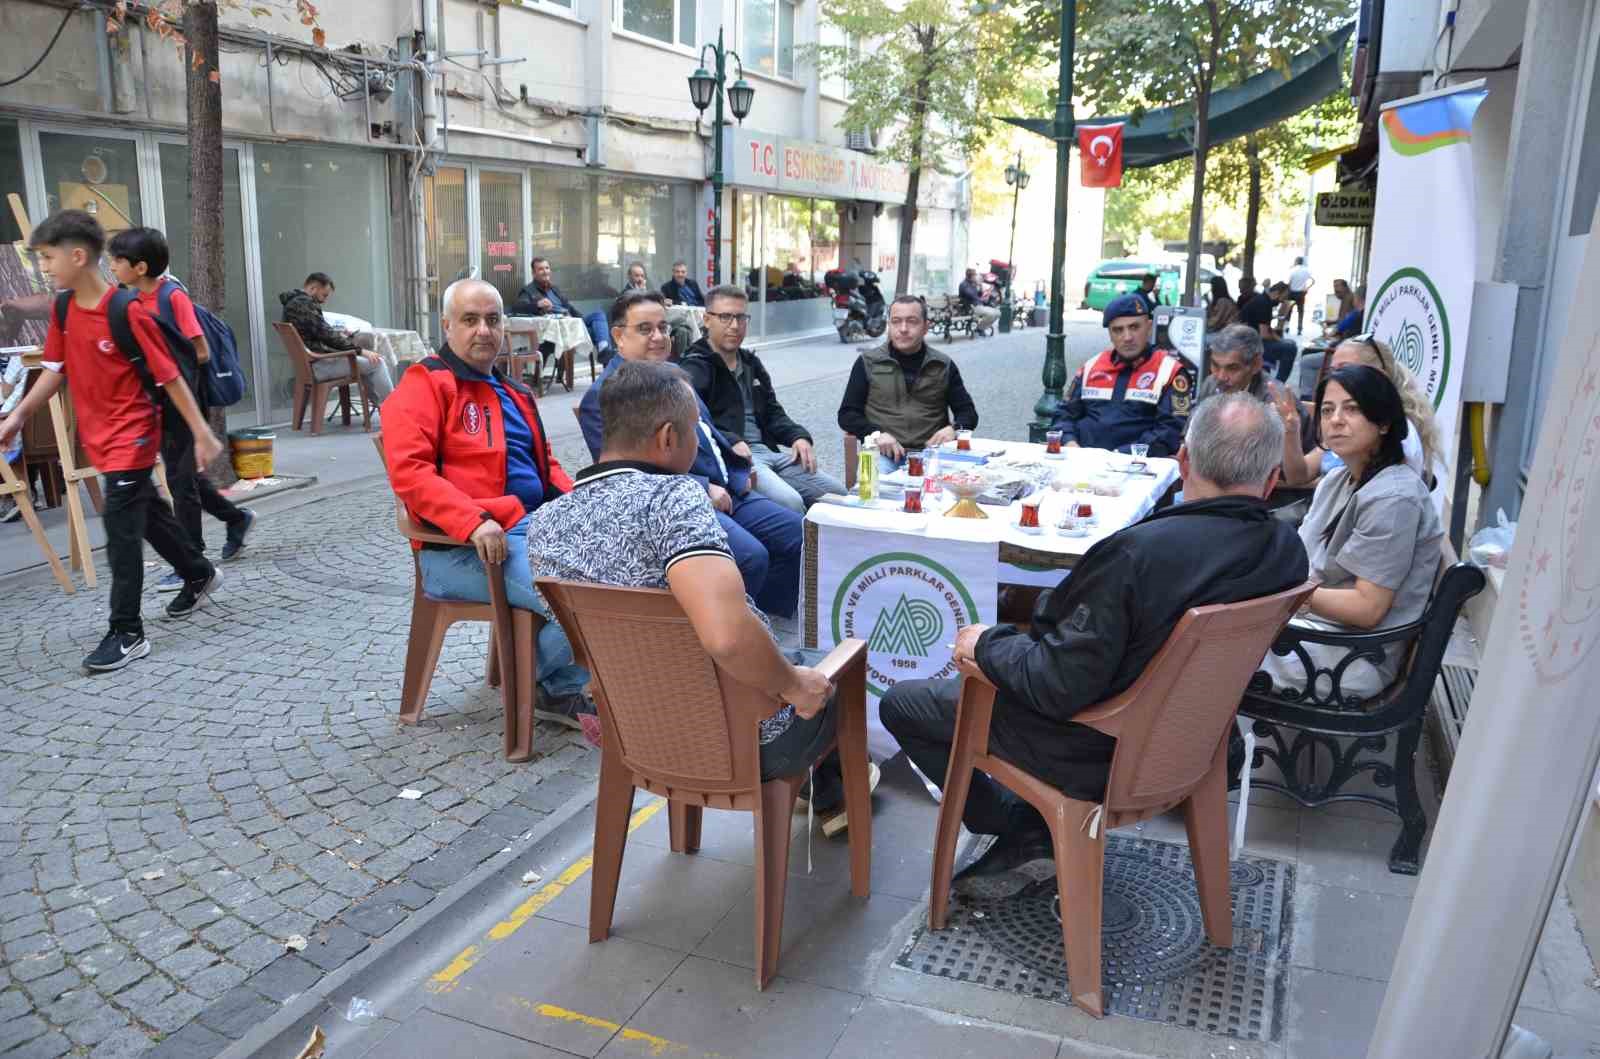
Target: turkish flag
[(1100, 155)]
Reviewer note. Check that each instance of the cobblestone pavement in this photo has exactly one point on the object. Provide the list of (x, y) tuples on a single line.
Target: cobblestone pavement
[(164, 829)]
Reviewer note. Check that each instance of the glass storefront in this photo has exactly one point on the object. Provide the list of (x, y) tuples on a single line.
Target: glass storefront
[(11, 177), (444, 211), (236, 310), (321, 210), (502, 259), (783, 247), (96, 174), (932, 271)]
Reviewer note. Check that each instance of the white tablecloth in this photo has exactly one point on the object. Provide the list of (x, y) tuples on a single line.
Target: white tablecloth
[(906, 583), (346, 322), (693, 315), (563, 332), (399, 347)]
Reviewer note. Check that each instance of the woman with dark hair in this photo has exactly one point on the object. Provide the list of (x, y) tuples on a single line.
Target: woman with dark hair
[(1223, 310), (1372, 533)]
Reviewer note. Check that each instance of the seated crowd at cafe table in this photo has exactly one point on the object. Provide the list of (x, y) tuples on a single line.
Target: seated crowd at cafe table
[(675, 500)]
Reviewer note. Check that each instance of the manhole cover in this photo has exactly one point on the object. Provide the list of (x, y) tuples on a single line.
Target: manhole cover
[(1156, 961)]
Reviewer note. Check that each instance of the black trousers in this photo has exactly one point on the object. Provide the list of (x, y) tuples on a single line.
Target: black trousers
[(921, 714), (801, 744), (192, 491), (1280, 352), (135, 513)]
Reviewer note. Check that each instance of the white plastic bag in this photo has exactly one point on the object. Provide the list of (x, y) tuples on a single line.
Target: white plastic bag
[(1491, 546)]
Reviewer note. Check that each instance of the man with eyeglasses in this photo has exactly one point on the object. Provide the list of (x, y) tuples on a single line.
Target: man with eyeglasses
[(765, 537), (908, 393), (467, 453), (736, 387)]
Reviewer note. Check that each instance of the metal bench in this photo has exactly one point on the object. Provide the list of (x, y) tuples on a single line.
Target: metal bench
[(1338, 737), (948, 316)]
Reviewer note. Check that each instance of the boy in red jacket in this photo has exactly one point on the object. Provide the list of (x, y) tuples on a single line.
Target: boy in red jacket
[(467, 453), (139, 258), (119, 424)]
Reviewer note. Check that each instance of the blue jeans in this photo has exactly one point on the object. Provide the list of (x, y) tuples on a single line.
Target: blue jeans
[(599, 330), (766, 539), (458, 574)]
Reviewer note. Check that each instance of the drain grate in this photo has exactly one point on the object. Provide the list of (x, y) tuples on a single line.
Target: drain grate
[(1156, 961)]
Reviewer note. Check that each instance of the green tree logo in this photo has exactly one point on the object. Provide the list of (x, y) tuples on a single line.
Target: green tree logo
[(910, 627)]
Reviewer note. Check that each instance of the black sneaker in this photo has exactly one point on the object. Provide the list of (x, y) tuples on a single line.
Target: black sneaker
[(193, 594), (565, 710), (237, 534), (1017, 856), (116, 651)]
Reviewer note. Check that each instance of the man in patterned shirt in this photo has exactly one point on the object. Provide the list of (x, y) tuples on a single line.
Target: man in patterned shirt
[(637, 520)]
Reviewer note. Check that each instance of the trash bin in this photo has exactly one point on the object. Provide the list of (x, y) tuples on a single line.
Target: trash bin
[(252, 452)]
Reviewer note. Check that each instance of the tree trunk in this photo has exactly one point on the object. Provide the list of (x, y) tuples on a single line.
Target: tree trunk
[(207, 277), (1202, 148), (1252, 215), (908, 212)]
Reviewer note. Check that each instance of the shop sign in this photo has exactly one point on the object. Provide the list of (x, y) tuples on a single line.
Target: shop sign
[(1344, 209), (798, 167)]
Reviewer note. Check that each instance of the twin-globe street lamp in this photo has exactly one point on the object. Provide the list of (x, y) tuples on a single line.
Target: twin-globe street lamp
[(704, 89), (1017, 177)]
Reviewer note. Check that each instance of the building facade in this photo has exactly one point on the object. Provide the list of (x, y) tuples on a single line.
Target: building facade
[(435, 139)]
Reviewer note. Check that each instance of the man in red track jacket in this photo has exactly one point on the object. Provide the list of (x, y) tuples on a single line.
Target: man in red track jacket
[(467, 454)]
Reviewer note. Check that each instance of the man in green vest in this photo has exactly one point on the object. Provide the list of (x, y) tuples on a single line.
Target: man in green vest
[(908, 393)]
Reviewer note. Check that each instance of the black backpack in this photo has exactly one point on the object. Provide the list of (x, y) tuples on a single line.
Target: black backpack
[(181, 349)]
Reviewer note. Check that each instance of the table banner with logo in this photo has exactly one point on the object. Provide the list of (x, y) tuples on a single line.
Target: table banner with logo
[(906, 595), (1424, 246)]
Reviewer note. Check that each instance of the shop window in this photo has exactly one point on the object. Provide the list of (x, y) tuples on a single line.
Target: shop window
[(19, 275), (322, 210), (96, 174), (11, 179), (836, 83), (1587, 192), (504, 259), (769, 37), (235, 308), (669, 21), (444, 207)]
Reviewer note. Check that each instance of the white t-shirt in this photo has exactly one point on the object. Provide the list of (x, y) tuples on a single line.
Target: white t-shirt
[(1300, 279)]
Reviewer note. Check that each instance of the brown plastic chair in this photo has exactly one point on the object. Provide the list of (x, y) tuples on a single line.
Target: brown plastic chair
[(308, 389), (1171, 729), (677, 725), (513, 642)]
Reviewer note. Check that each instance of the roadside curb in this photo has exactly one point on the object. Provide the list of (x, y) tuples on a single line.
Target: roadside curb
[(286, 1032)]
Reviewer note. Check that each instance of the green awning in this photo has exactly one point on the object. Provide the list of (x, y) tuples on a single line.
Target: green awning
[(1265, 99)]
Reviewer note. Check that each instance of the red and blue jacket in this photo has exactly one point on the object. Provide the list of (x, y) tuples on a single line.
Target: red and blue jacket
[(446, 449), (1114, 403)]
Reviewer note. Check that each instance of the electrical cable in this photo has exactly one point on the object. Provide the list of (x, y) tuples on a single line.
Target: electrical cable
[(48, 48)]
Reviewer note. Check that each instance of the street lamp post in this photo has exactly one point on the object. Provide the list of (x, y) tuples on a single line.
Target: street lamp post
[(1061, 129), (1018, 178), (704, 89)]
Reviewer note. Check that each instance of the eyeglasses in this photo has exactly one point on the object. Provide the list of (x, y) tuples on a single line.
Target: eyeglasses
[(646, 330), (731, 319), (1366, 338)]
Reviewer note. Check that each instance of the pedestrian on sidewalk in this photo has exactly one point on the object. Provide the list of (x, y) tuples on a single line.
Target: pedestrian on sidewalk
[(114, 356), (139, 259), (1300, 284)]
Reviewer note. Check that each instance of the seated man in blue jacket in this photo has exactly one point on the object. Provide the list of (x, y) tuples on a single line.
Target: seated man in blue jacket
[(1133, 393), (766, 537), (541, 298)]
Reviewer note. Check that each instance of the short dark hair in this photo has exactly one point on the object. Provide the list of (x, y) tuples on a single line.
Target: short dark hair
[(535, 262), (627, 300), (639, 397), (726, 290), (145, 246), (319, 277), (1279, 288), (910, 299), (685, 264), (70, 228)]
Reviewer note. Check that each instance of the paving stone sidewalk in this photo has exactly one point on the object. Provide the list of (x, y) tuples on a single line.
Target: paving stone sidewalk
[(163, 829)]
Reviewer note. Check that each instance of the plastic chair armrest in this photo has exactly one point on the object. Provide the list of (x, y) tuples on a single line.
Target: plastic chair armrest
[(844, 655)]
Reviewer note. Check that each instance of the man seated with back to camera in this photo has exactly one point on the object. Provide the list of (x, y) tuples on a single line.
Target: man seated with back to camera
[(1094, 633)]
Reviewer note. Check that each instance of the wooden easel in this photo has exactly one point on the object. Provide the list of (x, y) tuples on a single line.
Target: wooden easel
[(12, 486)]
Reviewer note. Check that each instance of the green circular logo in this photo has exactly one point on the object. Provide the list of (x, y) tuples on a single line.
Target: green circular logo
[(907, 607), (1409, 315)]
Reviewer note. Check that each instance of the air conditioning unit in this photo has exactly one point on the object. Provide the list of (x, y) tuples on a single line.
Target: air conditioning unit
[(862, 141)]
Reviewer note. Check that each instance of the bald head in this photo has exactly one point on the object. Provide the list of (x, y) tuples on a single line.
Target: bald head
[(474, 322)]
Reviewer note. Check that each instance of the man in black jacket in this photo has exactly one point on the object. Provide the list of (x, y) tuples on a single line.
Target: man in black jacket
[(680, 289), (1093, 634), (543, 298), (735, 385)]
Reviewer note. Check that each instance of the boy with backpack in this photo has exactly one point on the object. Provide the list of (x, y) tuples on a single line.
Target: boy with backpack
[(139, 258), (117, 360)]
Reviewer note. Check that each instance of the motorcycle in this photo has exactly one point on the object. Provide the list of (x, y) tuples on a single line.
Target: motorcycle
[(859, 310)]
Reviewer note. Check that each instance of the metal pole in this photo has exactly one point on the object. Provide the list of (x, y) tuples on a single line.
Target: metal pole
[(716, 166), (1054, 375), (1011, 251)]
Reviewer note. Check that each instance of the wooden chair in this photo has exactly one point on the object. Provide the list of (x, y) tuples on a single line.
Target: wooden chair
[(309, 390), (17, 490), (679, 726), (1172, 730), (513, 642)]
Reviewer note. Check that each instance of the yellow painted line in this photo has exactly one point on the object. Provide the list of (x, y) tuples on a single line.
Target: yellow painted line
[(450, 977), (658, 1046)]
